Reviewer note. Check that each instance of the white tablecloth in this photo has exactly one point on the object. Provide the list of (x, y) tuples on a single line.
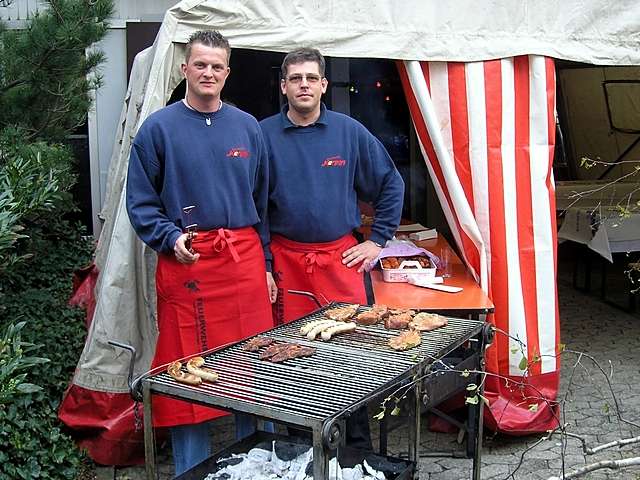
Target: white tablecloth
[(603, 230)]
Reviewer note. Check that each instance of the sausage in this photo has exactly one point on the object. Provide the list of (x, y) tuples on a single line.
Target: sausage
[(307, 327), (320, 328), (178, 375), (341, 328), (195, 367)]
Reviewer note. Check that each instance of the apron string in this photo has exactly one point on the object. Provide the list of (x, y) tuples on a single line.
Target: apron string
[(311, 259), (225, 238)]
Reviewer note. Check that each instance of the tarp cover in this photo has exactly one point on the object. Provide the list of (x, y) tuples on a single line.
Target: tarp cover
[(589, 31)]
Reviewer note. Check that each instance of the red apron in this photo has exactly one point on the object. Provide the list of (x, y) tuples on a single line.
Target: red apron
[(219, 299), (315, 268)]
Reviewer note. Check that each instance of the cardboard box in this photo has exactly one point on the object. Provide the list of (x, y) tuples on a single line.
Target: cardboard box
[(424, 235)]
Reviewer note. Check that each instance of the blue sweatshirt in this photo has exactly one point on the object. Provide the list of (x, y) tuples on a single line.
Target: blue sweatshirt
[(317, 174), (178, 160)]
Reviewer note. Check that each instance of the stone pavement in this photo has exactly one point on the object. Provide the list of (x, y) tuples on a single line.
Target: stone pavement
[(610, 336)]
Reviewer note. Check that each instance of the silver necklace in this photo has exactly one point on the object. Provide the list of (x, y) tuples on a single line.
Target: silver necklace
[(207, 116)]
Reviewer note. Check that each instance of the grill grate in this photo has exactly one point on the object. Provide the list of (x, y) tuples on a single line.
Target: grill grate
[(344, 371)]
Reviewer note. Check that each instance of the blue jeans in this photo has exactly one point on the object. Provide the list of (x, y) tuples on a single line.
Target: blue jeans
[(190, 444), (247, 424)]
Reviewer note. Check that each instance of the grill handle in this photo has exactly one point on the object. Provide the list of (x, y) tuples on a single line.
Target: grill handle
[(134, 385), (310, 295)]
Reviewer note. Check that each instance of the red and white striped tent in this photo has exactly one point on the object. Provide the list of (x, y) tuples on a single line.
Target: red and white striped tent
[(486, 130), (479, 80)]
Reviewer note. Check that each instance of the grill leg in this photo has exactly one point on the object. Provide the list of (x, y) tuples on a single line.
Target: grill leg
[(149, 443), (414, 430), (384, 431), (476, 439), (320, 456)]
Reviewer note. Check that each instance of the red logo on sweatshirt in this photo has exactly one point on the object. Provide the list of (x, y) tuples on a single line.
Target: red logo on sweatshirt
[(238, 152), (335, 161)]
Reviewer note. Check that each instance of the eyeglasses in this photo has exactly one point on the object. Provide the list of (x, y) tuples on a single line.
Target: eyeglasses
[(297, 78)]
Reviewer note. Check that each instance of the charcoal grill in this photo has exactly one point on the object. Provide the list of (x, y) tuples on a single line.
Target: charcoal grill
[(320, 392)]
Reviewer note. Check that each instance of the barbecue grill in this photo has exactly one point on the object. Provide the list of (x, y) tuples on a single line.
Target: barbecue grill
[(320, 392)]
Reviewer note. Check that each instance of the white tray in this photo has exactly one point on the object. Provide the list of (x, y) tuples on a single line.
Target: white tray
[(408, 269)]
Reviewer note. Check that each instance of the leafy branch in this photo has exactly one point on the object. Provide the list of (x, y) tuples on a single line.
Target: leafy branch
[(521, 386)]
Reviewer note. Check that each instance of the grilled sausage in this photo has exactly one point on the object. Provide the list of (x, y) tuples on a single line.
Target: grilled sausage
[(307, 327), (321, 327), (179, 376), (195, 367), (340, 328)]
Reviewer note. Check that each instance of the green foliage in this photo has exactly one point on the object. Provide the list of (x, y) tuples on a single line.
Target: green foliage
[(14, 360), (34, 182), (46, 80), (35, 293), (32, 445), (45, 76)]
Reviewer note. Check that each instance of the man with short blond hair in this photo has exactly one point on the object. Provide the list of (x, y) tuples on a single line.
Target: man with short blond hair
[(201, 161)]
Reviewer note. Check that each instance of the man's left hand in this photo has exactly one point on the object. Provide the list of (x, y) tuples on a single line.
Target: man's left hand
[(363, 254), (272, 288)]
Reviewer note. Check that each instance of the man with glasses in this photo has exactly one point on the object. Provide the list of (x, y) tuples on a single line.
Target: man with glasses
[(321, 163)]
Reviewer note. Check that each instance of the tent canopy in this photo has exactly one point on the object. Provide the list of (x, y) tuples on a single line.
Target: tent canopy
[(591, 31)]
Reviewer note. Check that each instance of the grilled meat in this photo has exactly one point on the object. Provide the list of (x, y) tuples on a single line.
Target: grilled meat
[(292, 350), (424, 322), (306, 351), (370, 317), (280, 352), (175, 370), (272, 350), (406, 340), (342, 314), (399, 321), (321, 327), (257, 343), (397, 311), (195, 366), (340, 328)]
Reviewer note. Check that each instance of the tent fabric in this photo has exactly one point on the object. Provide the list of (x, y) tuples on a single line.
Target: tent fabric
[(415, 30), (487, 132), (588, 31)]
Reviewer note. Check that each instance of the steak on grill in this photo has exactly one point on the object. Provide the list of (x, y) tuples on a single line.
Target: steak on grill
[(406, 340), (272, 350), (292, 351), (257, 343), (280, 352), (342, 314), (399, 320), (424, 322), (370, 317)]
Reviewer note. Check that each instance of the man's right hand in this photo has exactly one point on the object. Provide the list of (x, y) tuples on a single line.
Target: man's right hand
[(182, 254)]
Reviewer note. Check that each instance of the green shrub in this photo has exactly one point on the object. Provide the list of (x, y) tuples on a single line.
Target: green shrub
[(14, 360), (35, 179), (35, 292), (30, 439)]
